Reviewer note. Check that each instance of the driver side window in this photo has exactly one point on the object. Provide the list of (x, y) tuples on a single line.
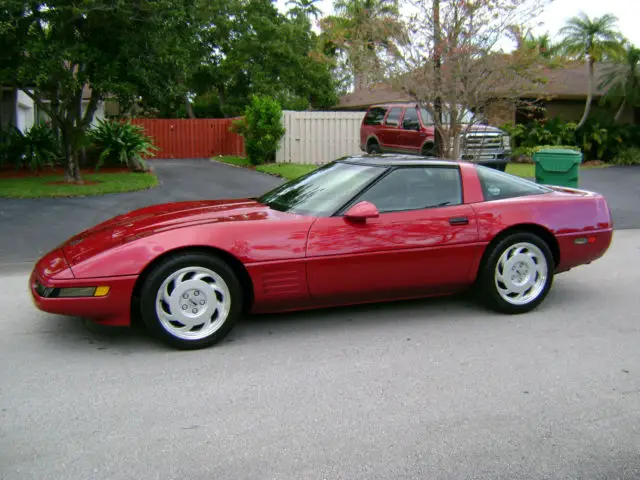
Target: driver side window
[(414, 188)]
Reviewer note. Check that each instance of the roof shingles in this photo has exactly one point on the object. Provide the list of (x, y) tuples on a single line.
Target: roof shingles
[(569, 81)]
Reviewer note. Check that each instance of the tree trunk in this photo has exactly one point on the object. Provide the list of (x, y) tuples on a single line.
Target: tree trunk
[(360, 80), (587, 107), (137, 166), (437, 61), (71, 169), (189, 107), (620, 110)]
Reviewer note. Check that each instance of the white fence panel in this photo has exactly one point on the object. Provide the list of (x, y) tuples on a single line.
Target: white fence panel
[(319, 137)]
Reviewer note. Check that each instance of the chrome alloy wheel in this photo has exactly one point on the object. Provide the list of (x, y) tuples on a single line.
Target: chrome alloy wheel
[(521, 273), (193, 303)]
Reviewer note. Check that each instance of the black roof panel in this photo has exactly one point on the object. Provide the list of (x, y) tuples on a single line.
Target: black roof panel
[(393, 160)]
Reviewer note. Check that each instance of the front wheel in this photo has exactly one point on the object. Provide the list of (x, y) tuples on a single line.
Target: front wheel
[(191, 300), (517, 273)]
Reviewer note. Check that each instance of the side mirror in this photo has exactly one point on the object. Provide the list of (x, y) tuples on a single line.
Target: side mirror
[(361, 211)]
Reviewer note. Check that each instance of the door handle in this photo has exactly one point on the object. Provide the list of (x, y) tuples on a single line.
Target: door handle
[(459, 221)]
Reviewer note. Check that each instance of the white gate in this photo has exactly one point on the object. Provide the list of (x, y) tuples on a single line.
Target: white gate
[(319, 137)]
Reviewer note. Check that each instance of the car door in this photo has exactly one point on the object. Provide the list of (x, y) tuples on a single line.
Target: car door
[(424, 240), (388, 131), (410, 135)]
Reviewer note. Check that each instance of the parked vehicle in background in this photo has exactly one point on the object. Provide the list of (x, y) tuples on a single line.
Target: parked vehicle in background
[(408, 128)]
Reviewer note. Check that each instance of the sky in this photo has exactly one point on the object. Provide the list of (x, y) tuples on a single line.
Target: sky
[(555, 15)]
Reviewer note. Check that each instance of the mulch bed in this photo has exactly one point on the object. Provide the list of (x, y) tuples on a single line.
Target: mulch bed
[(9, 172)]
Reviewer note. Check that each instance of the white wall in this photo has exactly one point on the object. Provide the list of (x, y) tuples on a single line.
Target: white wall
[(98, 115), (319, 137), (25, 112)]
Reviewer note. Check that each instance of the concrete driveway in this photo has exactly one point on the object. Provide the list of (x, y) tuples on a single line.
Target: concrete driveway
[(621, 187), (433, 389), (32, 227)]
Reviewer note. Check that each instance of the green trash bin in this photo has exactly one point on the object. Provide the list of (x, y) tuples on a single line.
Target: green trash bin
[(558, 166)]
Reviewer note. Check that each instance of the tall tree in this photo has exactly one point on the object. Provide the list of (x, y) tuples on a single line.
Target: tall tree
[(437, 75), (258, 50), (305, 8), (591, 40), (621, 80), (365, 31), (453, 62), (57, 51), (542, 45)]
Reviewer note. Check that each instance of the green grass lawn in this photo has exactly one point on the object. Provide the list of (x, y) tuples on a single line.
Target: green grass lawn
[(528, 170), (292, 170), (238, 161), (288, 171), (521, 170), (44, 186)]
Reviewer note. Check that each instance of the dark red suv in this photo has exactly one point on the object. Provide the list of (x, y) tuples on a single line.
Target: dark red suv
[(408, 128)]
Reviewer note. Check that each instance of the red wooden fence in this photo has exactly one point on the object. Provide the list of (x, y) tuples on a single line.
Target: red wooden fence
[(198, 138)]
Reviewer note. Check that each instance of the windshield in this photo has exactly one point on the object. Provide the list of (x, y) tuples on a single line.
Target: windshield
[(322, 192)]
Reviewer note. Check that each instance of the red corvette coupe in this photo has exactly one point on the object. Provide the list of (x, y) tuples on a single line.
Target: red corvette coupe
[(360, 229)]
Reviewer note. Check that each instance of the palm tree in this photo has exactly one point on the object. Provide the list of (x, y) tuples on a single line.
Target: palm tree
[(622, 80), (305, 7), (542, 44), (591, 40), (365, 30)]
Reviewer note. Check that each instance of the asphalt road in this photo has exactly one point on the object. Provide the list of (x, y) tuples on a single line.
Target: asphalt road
[(435, 389), (30, 228)]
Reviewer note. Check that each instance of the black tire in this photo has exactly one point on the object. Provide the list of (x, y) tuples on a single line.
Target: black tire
[(486, 286), (373, 148), (428, 150), (170, 266), (501, 167)]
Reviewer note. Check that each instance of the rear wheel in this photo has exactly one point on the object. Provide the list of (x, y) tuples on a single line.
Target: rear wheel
[(428, 150), (517, 273), (373, 148), (191, 300)]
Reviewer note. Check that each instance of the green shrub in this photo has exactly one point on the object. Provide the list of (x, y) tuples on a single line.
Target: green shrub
[(598, 139), (121, 142), (542, 132), (11, 147), (35, 149), (627, 156), (530, 151), (261, 128)]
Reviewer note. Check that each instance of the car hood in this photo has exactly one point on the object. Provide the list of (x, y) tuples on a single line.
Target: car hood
[(157, 218)]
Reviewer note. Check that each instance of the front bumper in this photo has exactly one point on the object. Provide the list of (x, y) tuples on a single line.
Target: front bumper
[(486, 158), (114, 308)]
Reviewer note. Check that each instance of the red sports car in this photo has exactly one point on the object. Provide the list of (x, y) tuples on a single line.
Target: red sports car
[(360, 229)]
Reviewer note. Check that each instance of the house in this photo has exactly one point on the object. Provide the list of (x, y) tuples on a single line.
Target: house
[(19, 110), (562, 95), (16, 109)]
